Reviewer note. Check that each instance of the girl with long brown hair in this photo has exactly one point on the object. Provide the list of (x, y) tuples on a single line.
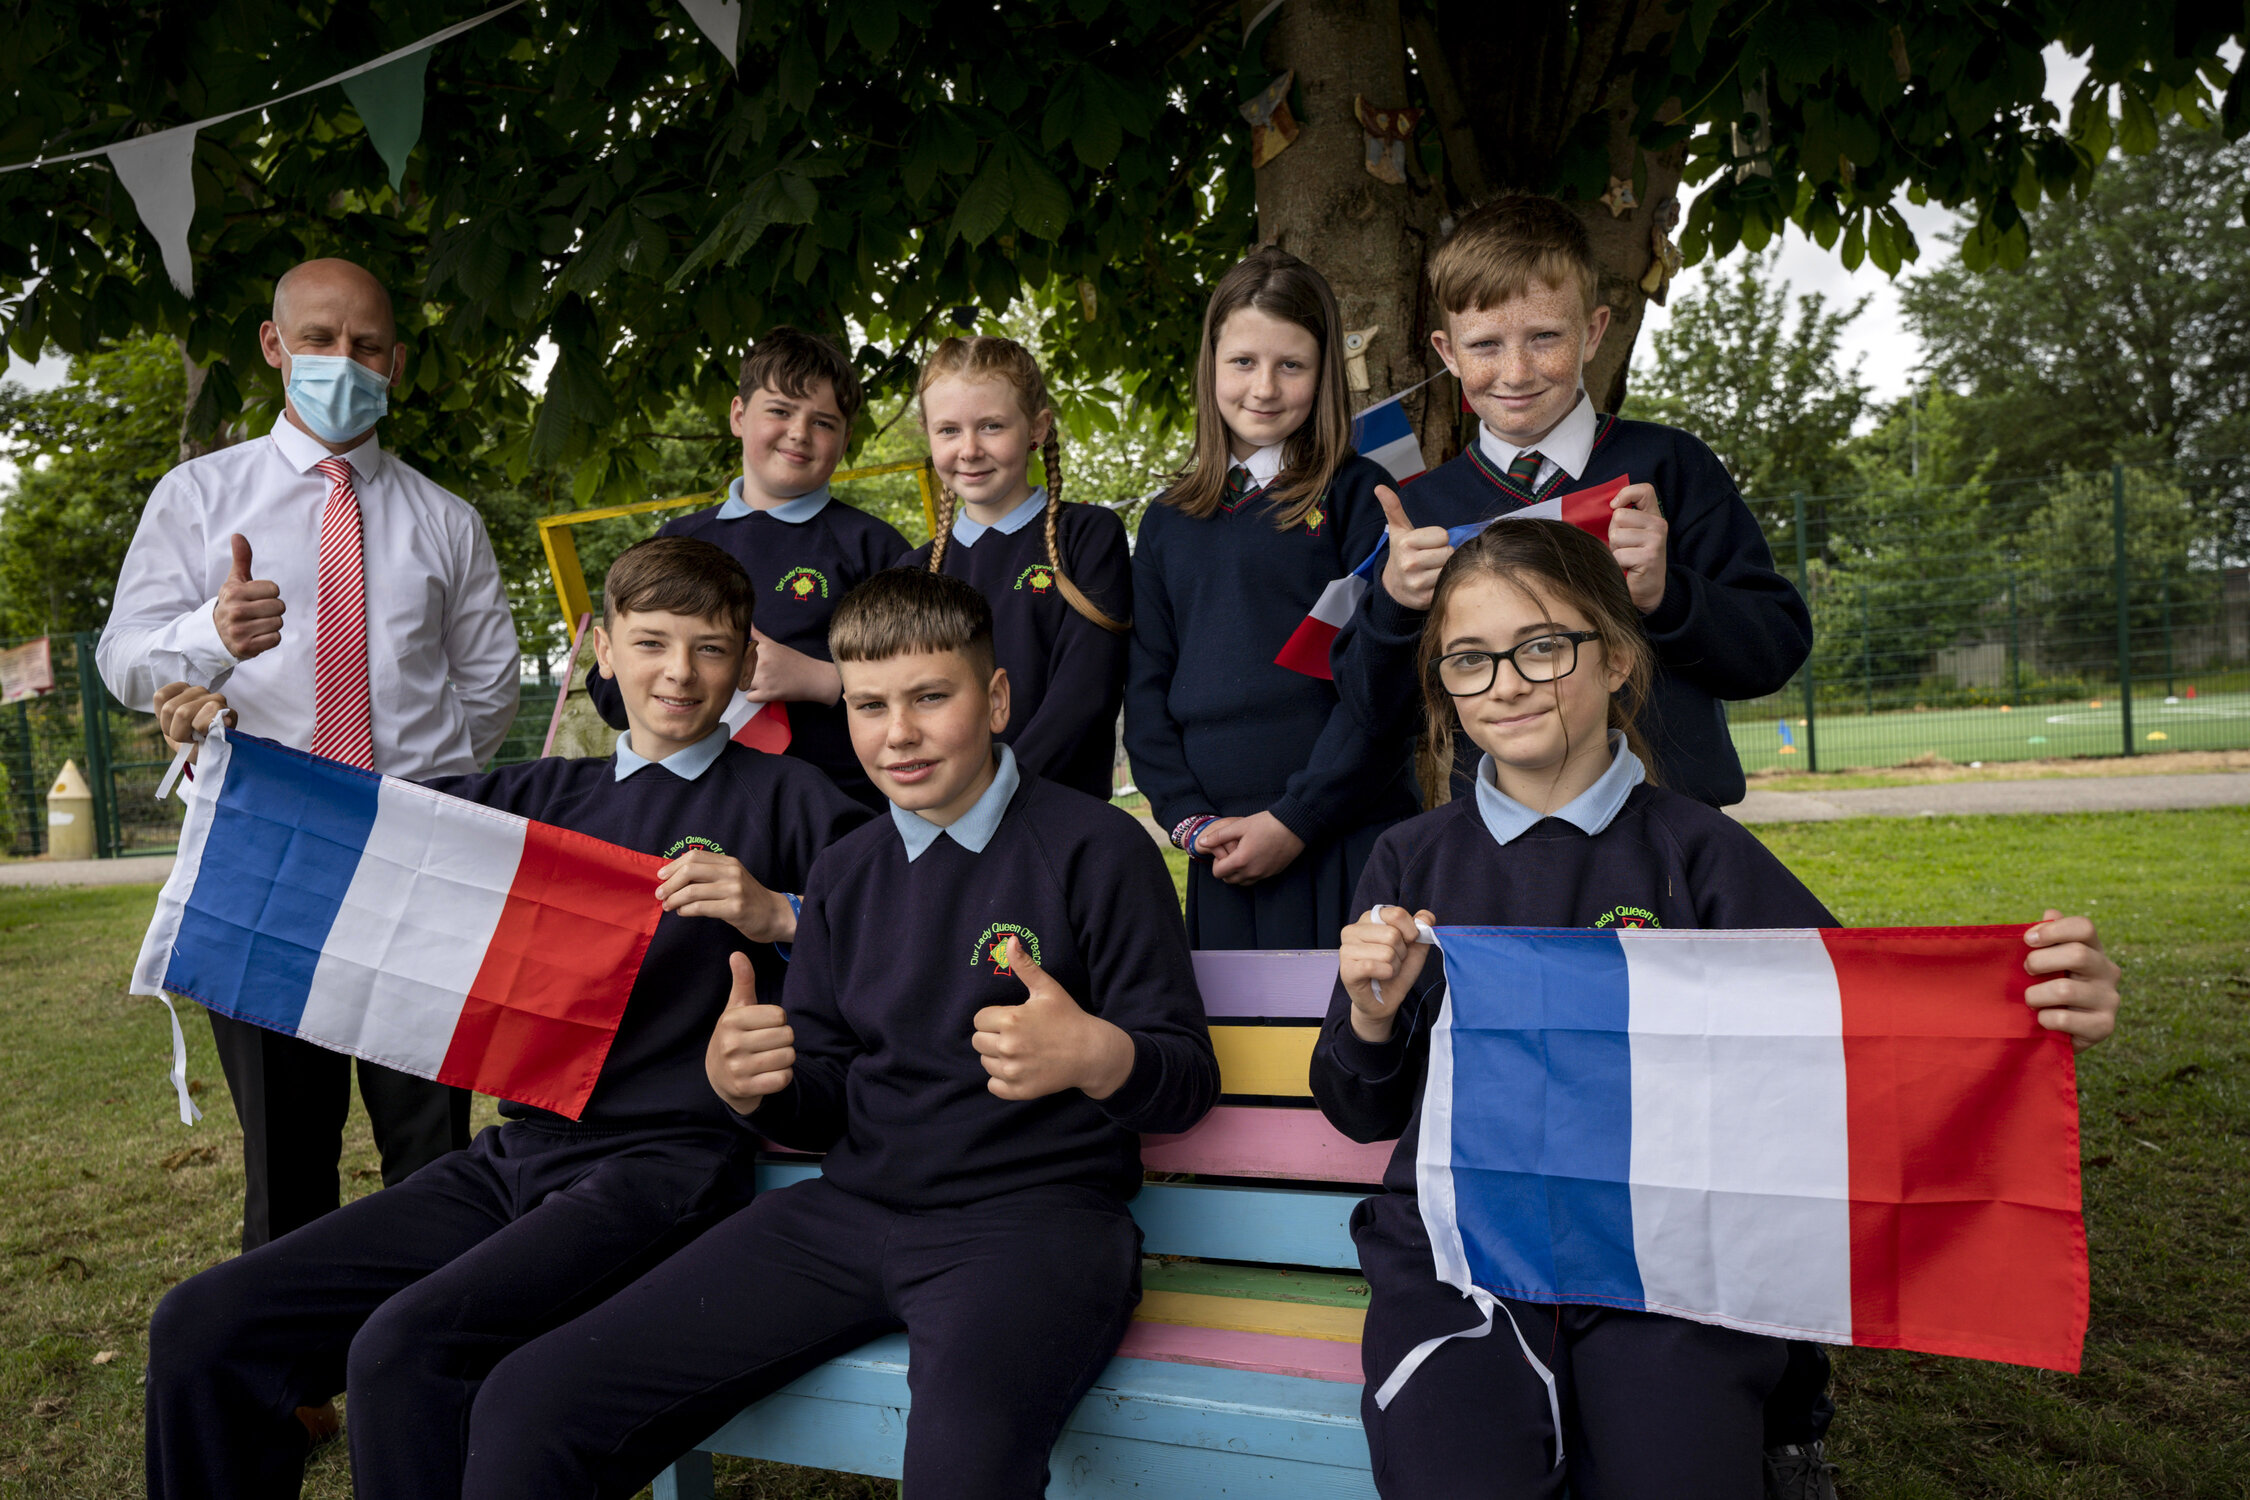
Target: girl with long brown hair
[(1058, 574), (1254, 770)]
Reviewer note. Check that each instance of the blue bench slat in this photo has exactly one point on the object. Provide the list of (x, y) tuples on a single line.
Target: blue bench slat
[(1282, 1226), (1149, 1428)]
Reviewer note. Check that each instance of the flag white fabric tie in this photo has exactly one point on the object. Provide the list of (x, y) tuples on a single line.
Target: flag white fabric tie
[(1483, 1300)]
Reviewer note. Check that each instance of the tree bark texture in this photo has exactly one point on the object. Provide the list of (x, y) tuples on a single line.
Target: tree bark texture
[(1536, 97)]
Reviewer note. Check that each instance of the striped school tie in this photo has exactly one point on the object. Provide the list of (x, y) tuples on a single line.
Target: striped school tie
[(1240, 486), (341, 726), (1525, 469)]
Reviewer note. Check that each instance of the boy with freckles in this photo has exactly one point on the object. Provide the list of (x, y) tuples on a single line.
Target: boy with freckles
[(989, 999), (1517, 288)]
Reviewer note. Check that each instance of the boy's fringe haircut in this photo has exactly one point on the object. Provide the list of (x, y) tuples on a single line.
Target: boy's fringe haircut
[(987, 357), (1498, 251), (901, 610), (790, 360), (1546, 559), (1279, 285), (678, 575)]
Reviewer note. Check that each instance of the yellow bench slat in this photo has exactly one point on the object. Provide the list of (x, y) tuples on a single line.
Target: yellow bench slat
[(1303, 1320), (1265, 1059)]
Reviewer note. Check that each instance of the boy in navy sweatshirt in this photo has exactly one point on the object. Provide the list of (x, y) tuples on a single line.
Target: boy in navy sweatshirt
[(990, 999), (1518, 290), (803, 548), (409, 1296)]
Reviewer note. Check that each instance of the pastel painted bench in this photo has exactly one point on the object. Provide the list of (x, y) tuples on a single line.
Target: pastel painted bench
[(1240, 1375)]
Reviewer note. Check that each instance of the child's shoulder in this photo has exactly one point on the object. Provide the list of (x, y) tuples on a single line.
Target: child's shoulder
[(1644, 445), (1081, 516), (846, 518), (1694, 826), (1410, 841), (1359, 475), (696, 523)]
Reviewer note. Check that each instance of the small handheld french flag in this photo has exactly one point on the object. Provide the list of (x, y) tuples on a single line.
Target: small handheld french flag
[(376, 917), (1306, 650), (1847, 1136), (759, 726), (1382, 433)]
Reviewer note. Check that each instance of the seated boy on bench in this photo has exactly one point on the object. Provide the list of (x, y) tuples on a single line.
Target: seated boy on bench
[(990, 998), (406, 1298)]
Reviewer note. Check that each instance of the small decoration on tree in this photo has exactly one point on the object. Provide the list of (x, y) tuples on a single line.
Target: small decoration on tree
[(1272, 126), (1089, 300), (1356, 341), (1619, 200), (1665, 259), (1753, 135), (1388, 131)]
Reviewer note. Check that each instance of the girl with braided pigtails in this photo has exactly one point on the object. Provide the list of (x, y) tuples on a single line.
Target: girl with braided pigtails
[(1058, 574)]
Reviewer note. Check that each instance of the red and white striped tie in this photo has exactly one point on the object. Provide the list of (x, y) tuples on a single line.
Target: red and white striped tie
[(341, 727)]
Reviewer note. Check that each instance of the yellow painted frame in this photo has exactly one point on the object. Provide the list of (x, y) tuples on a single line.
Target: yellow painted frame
[(562, 549)]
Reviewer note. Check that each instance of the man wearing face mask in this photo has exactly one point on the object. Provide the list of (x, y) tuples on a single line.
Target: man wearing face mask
[(348, 606)]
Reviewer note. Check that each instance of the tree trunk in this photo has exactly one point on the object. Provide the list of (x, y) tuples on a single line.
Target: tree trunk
[(1317, 200), (201, 431)]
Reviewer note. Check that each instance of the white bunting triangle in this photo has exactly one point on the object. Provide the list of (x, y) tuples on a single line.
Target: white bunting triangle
[(158, 171), (720, 20)]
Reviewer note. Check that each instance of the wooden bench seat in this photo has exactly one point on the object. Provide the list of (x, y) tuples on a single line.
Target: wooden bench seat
[(1240, 1374)]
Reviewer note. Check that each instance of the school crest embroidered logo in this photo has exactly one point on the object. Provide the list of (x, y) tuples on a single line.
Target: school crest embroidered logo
[(992, 945), (1627, 916), (1314, 520), (693, 841), (803, 584), (1039, 576)]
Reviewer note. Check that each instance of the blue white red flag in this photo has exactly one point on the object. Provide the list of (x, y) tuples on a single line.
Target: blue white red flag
[(1306, 650), (379, 918), (1382, 433), (1847, 1136)]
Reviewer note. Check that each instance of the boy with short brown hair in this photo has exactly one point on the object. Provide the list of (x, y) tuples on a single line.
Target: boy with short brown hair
[(1519, 293), (803, 548), (989, 999)]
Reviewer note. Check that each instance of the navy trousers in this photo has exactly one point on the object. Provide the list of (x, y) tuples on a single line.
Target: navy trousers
[(405, 1299), (1651, 1405), (1011, 1308)]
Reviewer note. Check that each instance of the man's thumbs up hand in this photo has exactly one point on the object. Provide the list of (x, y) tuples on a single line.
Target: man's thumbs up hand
[(1047, 1043), (753, 1052), (248, 610), (1416, 553)]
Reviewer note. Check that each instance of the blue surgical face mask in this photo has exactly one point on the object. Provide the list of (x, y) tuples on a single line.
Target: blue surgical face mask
[(336, 397)]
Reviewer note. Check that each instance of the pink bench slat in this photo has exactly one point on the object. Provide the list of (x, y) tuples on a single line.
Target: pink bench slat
[(1244, 1141), (1227, 1349), (1286, 984)]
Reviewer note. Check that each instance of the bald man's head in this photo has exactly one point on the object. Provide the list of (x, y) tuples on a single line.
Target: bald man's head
[(331, 289)]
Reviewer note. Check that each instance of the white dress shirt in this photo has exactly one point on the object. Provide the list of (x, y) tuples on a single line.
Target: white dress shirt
[(1261, 465), (1568, 448), (442, 665)]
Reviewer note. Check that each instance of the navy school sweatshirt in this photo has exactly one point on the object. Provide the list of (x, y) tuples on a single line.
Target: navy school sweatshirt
[(772, 813), (802, 570), (1666, 860), (893, 960), (1729, 625), (1212, 724), (1066, 675)]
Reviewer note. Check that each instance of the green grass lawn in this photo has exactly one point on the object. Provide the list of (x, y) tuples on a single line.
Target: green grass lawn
[(2210, 721), (106, 1200)]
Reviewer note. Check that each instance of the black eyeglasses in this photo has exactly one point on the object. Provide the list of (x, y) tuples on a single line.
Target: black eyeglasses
[(1543, 658)]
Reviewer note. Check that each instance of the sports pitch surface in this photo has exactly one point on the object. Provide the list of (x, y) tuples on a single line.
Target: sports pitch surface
[(2210, 721)]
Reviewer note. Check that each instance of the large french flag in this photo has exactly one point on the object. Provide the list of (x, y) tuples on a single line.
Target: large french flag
[(1306, 650), (376, 917), (1848, 1136)]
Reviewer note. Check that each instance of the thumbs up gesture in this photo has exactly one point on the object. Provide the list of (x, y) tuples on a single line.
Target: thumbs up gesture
[(1379, 959), (753, 1053), (1416, 553), (1047, 1044), (248, 610)]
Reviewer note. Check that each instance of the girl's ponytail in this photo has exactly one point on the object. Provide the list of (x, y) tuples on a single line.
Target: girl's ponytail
[(1050, 454)]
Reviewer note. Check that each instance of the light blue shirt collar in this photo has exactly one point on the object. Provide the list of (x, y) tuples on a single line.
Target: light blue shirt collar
[(796, 512), (686, 764), (974, 828), (966, 531), (1591, 810)]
